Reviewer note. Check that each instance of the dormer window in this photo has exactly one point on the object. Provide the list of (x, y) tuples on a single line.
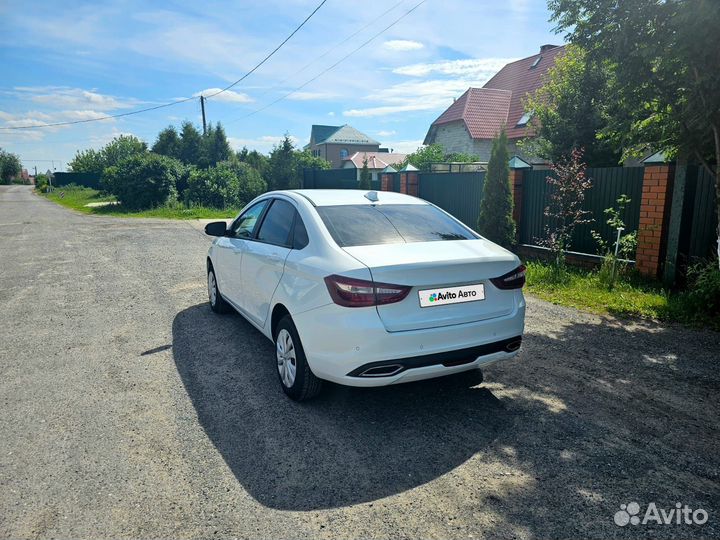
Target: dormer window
[(536, 62), (524, 119)]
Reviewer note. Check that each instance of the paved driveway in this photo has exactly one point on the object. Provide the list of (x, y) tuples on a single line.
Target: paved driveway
[(129, 409)]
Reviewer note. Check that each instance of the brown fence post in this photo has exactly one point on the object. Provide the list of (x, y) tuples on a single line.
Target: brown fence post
[(654, 218), (386, 178), (409, 183)]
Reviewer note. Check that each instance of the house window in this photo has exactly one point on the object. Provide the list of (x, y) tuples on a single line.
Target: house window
[(536, 62), (524, 119), (316, 153), (343, 153)]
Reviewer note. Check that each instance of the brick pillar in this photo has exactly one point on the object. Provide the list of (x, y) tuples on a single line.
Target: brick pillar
[(403, 182), (654, 218), (413, 183), (516, 183), (386, 182)]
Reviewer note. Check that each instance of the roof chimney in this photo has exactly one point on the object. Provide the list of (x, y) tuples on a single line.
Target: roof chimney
[(547, 47)]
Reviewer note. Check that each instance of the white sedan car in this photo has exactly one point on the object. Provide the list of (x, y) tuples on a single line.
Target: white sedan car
[(365, 288)]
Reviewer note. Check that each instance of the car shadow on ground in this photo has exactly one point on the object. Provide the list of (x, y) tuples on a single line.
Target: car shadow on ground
[(593, 414), (347, 446)]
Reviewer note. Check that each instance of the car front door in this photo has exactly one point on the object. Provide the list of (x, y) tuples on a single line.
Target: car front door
[(263, 260), (231, 248)]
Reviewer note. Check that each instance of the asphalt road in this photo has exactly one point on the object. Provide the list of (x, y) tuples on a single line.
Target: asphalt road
[(129, 409)]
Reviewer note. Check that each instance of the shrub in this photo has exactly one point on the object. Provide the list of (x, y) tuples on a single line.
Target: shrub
[(41, 182), (216, 187), (250, 182), (703, 294), (143, 181)]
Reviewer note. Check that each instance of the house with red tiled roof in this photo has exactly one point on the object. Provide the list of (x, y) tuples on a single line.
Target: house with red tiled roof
[(377, 161), (476, 117)]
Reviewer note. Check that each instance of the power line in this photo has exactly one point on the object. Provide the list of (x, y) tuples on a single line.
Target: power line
[(176, 102), (276, 49), (313, 79)]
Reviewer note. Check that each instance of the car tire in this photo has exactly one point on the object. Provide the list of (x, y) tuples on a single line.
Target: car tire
[(217, 302), (296, 378)]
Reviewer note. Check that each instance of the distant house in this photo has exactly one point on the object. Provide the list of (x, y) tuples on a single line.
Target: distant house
[(376, 161), (473, 120), (336, 143)]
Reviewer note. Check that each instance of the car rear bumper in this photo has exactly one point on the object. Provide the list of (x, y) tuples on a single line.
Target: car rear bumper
[(344, 345)]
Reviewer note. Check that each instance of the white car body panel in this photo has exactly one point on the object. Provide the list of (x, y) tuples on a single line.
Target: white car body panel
[(338, 339)]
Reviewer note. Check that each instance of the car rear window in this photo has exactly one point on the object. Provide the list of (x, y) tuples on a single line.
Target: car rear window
[(365, 225)]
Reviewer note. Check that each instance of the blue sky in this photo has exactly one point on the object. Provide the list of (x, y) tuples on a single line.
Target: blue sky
[(76, 60)]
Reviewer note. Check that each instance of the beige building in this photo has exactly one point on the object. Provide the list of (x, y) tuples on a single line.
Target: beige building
[(337, 143)]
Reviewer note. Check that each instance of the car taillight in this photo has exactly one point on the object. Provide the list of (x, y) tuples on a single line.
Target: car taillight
[(351, 292), (514, 279)]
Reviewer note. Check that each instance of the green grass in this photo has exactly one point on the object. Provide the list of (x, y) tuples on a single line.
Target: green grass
[(632, 296), (77, 198)]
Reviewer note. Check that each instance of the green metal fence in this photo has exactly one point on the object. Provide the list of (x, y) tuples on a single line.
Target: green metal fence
[(607, 185), (456, 193), (698, 235), (90, 180)]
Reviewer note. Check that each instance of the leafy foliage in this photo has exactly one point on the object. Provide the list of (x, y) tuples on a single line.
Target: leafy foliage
[(665, 91), (286, 164), (215, 147), (568, 184), (10, 166), (249, 182), (495, 221), (143, 181), (168, 143), (216, 187), (568, 111), (424, 156), (255, 159), (116, 151), (190, 144)]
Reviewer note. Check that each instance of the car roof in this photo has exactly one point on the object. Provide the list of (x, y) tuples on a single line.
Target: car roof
[(336, 197)]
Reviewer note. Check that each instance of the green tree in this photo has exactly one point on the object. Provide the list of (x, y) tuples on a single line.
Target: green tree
[(117, 150), (215, 146), (424, 156), (568, 110), (168, 143), (190, 144), (143, 181), (666, 86), (87, 161), (365, 176), (255, 159), (282, 169), (249, 182), (495, 221), (305, 160), (10, 166)]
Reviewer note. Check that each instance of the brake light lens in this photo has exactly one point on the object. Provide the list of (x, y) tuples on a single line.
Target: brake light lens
[(515, 279), (351, 292)]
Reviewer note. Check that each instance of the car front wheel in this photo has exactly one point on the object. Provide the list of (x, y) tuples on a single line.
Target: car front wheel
[(296, 378)]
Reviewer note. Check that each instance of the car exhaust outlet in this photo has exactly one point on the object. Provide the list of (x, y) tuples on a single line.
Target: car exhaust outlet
[(382, 371), (513, 345)]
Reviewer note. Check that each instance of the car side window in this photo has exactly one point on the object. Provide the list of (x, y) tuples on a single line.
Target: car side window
[(244, 226), (277, 224), (300, 235)]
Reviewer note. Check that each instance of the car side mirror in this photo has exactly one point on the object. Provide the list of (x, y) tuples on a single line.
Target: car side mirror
[(216, 228)]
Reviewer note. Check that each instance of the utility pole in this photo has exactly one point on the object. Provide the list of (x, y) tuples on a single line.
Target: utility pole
[(202, 106)]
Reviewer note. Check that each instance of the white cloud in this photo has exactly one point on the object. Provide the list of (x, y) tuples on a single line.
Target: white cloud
[(331, 113), (476, 68), (384, 133), (228, 96), (403, 45), (72, 98)]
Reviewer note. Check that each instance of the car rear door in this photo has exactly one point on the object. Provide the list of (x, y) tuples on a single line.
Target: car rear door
[(231, 248), (263, 259)]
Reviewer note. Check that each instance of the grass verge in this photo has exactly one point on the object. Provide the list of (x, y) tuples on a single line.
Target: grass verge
[(632, 296), (77, 198)]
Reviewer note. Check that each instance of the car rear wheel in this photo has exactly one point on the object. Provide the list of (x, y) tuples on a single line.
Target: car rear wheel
[(217, 302), (296, 378)]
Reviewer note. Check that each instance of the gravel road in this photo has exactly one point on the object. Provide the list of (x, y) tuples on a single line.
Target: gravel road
[(129, 409)]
